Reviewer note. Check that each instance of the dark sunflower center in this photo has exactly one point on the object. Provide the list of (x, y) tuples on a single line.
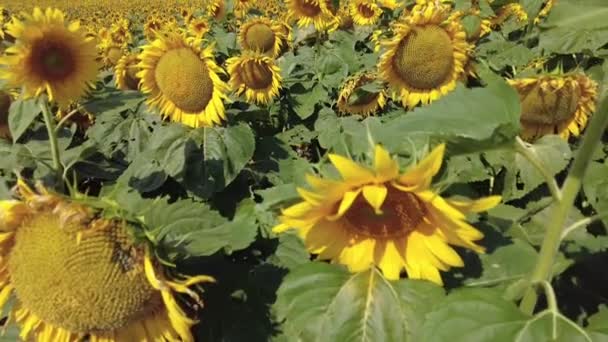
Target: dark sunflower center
[(424, 58), (184, 79), (95, 285), (52, 60), (131, 78), (549, 107), (366, 11), (259, 37), (402, 212), (256, 75), (308, 8)]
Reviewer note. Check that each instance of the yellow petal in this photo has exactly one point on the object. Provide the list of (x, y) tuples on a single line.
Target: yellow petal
[(386, 168), (347, 201), (375, 196), (310, 197), (423, 172), (475, 206), (390, 261), (350, 171), (442, 251), (358, 257)]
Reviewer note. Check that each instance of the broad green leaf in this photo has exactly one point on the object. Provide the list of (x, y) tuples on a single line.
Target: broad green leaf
[(113, 100), (483, 315), (501, 53), (306, 99), (595, 186), (193, 229), (20, 116), (475, 118), (321, 302), (598, 325), (575, 26), (290, 252)]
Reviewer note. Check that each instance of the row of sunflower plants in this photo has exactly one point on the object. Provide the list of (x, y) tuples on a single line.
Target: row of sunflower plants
[(304, 170)]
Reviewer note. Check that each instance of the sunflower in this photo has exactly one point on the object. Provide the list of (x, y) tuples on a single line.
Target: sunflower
[(5, 103), (182, 80), (380, 217), (426, 57), (256, 75), (366, 104), (307, 12), (508, 11), (198, 27), (263, 35), (74, 275), (217, 9), (241, 7), (552, 104), (125, 72), (152, 27), (365, 12), (49, 56), (544, 12), (110, 53), (77, 115)]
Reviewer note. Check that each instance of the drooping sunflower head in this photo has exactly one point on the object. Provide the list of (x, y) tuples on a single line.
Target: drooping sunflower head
[(553, 104), (74, 274), (307, 12), (426, 56), (110, 54), (217, 9), (366, 102), (262, 35), (365, 12), (126, 71), (76, 114), (255, 75), (182, 81), (544, 12), (377, 216), (49, 56), (507, 11)]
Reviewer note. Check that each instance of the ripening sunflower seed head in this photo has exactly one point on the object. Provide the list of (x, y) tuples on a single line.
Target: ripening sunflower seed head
[(555, 104), (262, 35), (379, 217), (365, 12), (125, 72), (256, 76), (365, 104), (49, 56), (426, 57), (74, 275), (182, 80)]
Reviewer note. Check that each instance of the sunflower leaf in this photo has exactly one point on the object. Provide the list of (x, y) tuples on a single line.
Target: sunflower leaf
[(325, 302), (483, 315), (21, 114)]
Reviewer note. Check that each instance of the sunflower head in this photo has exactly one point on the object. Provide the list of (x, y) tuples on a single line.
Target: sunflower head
[(365, 12), (315, 12), (217, 9), (555, 104), (126, 71), (182, 81), (5, 104), (426, 57), (262, 35), (198, 27), (74, 274), (366, 103), (380, 217), (254, 75), (49, 56)]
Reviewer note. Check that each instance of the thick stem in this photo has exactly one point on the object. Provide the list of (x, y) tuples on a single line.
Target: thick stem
[(572, 185), (50, 128)]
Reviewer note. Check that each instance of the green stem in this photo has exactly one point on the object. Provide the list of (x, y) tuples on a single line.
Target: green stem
[(522, 148), (50, 128), (570, 189)]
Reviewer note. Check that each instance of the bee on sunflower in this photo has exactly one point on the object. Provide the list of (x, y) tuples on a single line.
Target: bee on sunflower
[(75, 275), (426, 57), (255, 75), (182, 80), (379, 217), (262, 35), (555, 104), (49, 57), (367, 104)]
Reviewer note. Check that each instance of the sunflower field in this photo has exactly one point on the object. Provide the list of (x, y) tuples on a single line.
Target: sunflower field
[(304, 170)]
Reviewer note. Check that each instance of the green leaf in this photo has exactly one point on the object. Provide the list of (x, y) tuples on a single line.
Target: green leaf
[(595, 186), (501, 53), (483, 315), (21, 114), (321, 302), (598, 325), (306, 100), (575, 26), (193, 229), (113, 100), (291, 252), (475, 118)]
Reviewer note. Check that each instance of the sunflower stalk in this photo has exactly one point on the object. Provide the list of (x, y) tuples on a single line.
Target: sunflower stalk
[(50, 127), (570, 189), (522, 148)]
